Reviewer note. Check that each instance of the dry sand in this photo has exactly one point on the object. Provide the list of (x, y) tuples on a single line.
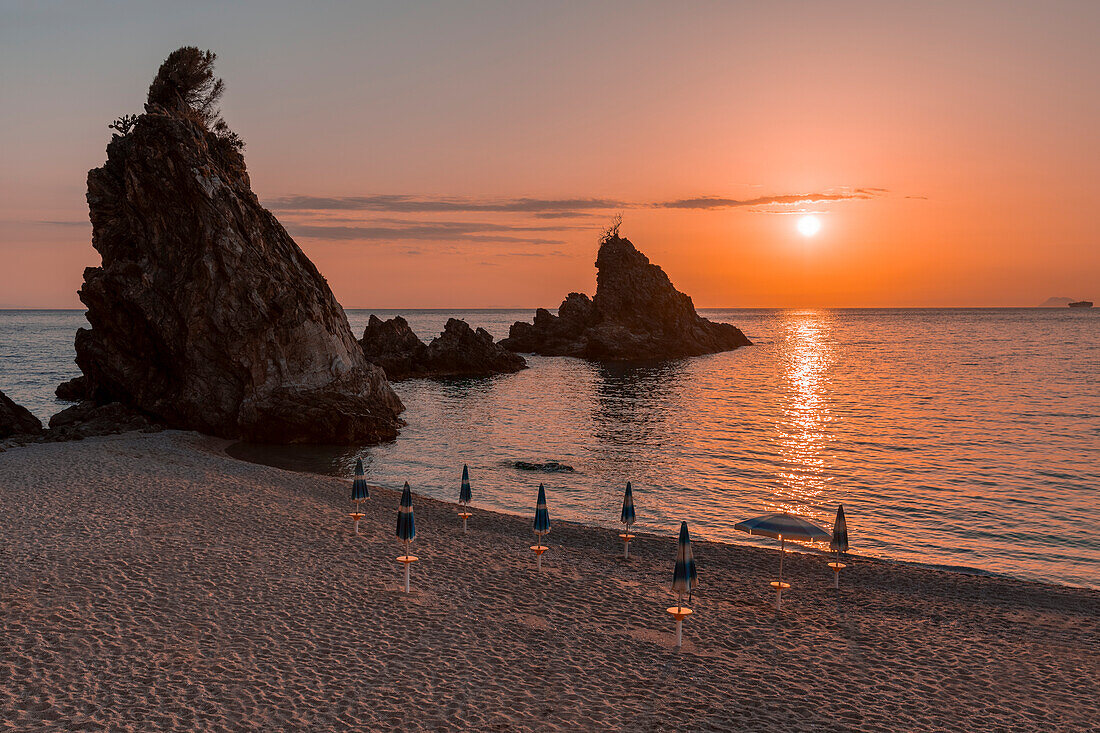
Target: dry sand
[(149, 582)]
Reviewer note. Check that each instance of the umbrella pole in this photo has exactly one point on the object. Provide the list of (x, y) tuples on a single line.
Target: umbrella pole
[(679, 620), (779, 588), (407, 563), (836, 572), (464, 520)]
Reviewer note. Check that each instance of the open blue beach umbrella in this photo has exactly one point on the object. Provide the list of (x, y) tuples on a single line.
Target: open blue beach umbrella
[(684, 577), (359, 488), (783, 526), (627, 517), (542, 515), (406, 526), (464, 492)]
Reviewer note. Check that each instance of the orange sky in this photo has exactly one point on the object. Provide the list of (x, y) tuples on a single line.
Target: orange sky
[(424, 154)]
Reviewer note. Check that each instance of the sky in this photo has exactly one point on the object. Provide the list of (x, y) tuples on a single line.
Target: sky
[(463, 155)]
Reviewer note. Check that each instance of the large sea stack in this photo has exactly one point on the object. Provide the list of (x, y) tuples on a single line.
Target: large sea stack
[(205, 314), (636, 315)]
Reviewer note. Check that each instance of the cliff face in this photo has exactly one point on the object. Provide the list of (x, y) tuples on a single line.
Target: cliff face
[(636, 315), (205, 314), (458, 351)]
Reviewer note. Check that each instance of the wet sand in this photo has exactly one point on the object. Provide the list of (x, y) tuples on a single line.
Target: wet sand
[(149, 581)]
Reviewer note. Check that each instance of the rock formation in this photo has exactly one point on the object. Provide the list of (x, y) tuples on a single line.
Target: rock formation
[(16, 420), (205, 314), (90, 418), (457, 351), (636, 315)]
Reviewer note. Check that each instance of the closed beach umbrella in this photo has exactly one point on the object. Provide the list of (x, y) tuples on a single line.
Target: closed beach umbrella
[(359, 492), (464, 497), (684, 578), (464, 491), (627, 518), (541, 525), (783, 526), (838, 543), (406, 529), (359, 488)]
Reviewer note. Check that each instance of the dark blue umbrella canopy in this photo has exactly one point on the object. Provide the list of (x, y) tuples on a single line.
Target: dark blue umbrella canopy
[(542, 515), (684, 577), (406, 527), (627, 517), (839, 543), (359, 488), (783, 526), (464, 492)]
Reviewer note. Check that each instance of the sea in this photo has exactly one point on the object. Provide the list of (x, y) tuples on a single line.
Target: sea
[(966, 439)]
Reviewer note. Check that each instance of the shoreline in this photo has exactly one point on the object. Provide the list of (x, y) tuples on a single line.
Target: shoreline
[(152, 581), (244, 449)]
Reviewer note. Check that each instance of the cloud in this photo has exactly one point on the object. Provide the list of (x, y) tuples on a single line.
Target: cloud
[(718, 202), (424, 231), (402, 203), (77, 223), (545, 208)]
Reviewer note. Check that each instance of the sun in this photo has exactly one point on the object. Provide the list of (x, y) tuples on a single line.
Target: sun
[(809, 225)]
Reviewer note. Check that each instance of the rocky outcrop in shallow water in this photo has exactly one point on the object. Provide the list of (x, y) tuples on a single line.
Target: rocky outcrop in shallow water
[(458, 351), (636, 315), (16, 420), (205, 314)]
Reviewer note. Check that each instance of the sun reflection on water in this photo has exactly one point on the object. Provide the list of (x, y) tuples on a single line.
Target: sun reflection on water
[(804, 415)]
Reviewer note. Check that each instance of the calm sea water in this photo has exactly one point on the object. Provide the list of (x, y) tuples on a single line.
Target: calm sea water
[(962, 438)]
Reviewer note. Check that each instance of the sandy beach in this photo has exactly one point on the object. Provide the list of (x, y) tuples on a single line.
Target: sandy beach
[(149, 582)]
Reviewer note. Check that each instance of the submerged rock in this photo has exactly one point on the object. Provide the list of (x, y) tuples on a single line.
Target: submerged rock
[(16, 420), (548, 467), (636, 315), (458, 351), (205, 314)]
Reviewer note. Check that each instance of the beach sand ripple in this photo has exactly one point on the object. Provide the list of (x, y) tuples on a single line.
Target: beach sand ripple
[(149, 582)]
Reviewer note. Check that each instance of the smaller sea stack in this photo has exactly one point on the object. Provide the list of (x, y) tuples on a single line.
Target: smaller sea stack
[(636, 315)]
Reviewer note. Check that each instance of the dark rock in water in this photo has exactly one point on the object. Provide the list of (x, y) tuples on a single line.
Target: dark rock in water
[(205, 313), (74, 390), (457, 351), (393, 346), (548, 467), (16, 420), (90, 418), (461, 351), (636, 315)]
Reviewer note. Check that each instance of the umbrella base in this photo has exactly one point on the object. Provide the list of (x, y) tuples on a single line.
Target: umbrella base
[(679, 613), (407, 561), (779, 586), (836, 566), (538, 550)]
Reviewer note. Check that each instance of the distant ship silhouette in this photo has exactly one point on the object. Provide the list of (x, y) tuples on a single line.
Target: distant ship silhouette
[(1081, 304)]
